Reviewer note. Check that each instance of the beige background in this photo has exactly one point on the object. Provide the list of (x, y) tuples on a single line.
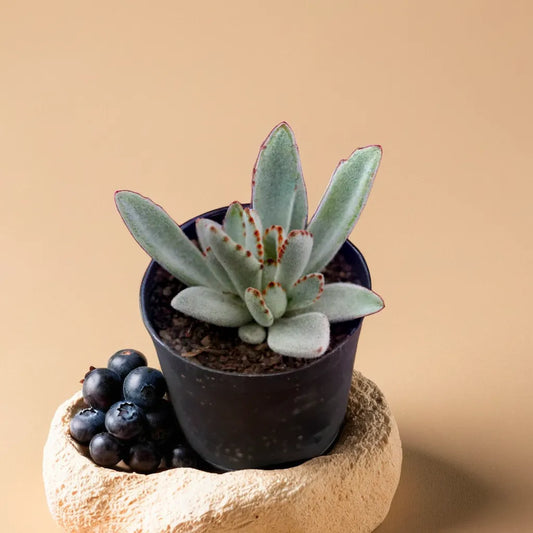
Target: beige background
[(172, 99)]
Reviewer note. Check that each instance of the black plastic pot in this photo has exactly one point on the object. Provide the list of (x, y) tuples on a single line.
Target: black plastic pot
[(237, 421)]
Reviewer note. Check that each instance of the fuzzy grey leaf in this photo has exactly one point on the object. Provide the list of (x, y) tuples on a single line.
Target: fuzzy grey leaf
[(305, 335), (278, 189), (209, 305), (242, 267), (294, 256), (233, 223), (306, 291), (257, 307), (252, 333), (202, 231), (273, 239), (253, 240), (163, 239), (270, 269), (342, 204), (275, 298), (219, 272), (346, 301)]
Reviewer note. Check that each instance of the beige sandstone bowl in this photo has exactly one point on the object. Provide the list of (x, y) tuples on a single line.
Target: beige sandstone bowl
[(347, 491)]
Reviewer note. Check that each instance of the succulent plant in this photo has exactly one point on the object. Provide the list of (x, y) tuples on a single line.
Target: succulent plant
[(260, 270)]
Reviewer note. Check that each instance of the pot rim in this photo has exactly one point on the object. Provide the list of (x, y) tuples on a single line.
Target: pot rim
[(286, 373)]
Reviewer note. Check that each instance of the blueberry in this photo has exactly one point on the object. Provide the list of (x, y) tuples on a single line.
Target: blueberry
[(182, 456), (105, 449), (86, 424), (124, 361), (162, 424), (125, 420), (143, 457), (101, 388), (144, 386)]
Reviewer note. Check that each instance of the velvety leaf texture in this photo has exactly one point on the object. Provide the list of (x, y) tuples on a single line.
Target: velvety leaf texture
[(294, 256), (234, 222), (304, 335), (305, 291), (242, 267), (209, 305), (275, 298), (346, 301), (341, 205), (258, 308), (253, 240), (163, 239), (252, 333), (219, 272), (278, 190)]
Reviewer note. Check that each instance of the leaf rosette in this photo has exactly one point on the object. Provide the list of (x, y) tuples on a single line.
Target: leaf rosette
[(260, 270)]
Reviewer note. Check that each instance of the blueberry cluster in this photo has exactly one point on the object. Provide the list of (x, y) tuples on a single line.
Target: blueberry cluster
[(128, 419)]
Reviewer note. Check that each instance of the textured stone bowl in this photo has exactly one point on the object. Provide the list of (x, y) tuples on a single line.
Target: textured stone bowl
[(348, 490)]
